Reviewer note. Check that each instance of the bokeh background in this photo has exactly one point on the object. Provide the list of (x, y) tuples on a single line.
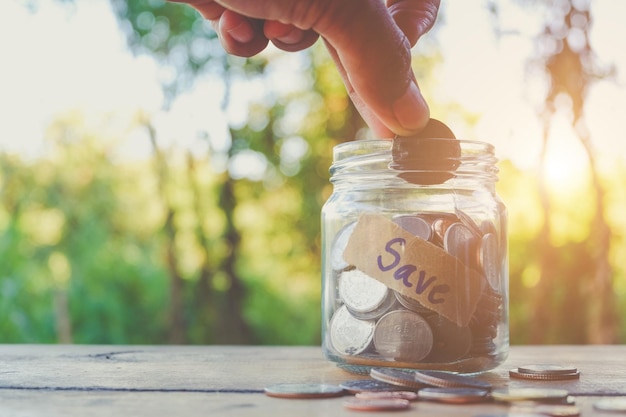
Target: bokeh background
[(155, 190)]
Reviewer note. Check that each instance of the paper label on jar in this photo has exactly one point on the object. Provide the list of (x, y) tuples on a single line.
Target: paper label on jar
[(415, 268)]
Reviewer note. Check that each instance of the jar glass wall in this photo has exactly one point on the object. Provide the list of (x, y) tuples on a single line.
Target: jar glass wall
[(415, 265)]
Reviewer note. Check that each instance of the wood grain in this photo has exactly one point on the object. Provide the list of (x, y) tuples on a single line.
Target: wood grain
[(229, 380)]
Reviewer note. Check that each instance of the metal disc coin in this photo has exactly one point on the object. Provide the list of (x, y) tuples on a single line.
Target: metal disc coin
[(368, 385), (454, 395), (403, 335), (397, 377), (530, 394), (547, 369), (515, 373), (449, 380), (382, 404), (611, 404), (402, 395), (304, 391)]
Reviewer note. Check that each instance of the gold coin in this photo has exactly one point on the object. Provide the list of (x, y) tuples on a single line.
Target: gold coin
[(611, 404), (530, 394)]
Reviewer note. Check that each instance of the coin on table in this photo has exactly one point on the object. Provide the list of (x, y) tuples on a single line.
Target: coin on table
[(530, 394), (349, 335), (397, 377), (547, 369), (443, 379), (548, 410), (403, 335), (611, 404), (454, 395), (368, 385), (383, 404), (304, 391), (414, 225), (515, 373), (403, 395), (339, 246)]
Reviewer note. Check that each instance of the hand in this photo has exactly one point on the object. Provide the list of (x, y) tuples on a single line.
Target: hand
[(369, 41)]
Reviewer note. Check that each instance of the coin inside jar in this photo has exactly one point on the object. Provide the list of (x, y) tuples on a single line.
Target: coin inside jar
[(451, 342), (414, 225), (339, 246), (349, 335), (403, 335), (365, 297), (458, 241)]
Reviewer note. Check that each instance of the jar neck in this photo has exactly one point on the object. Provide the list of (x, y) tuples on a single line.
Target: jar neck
[(367, 164)]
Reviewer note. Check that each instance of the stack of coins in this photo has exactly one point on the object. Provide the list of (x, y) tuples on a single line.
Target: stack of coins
[(545, 372), (376, 323)]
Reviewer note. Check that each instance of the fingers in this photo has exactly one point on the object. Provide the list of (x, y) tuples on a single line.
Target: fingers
[(288, 37), (370, 42), (240, 35), (375, 60), (414, 17)]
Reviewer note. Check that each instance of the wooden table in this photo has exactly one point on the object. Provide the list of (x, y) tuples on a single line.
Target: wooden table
[(59, 380)]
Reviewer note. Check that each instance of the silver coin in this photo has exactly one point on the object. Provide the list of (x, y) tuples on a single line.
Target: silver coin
[(368, 385), (611, 404), (454, 395), (515, 373), (413, 305), (398, 377), (469, 223), (403, 395), (530, 394), (382, 404), (349, 335), (449, 380), (339, 246), (403, 335), (304, 391), (414, 225), (458, 241), (363, 294), (547, 369), (489, 259)]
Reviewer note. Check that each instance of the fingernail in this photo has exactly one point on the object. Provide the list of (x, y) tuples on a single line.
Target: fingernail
[(242, 33), (411, 109), (292, 37)]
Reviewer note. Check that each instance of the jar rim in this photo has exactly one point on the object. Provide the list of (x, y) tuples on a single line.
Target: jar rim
[(372, 146)]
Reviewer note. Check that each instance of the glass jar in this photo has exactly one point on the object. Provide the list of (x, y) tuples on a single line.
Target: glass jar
[(414, 261)]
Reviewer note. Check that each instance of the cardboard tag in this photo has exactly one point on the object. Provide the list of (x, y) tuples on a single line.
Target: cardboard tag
[(415, 268)]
